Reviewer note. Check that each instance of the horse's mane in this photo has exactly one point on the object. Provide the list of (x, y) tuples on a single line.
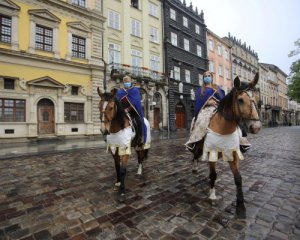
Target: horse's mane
[(120, 115), (225, 107)]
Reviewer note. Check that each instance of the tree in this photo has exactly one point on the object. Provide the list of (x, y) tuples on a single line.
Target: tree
[(294, 86)]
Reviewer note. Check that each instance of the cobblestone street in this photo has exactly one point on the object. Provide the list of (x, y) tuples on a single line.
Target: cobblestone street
[(70, 195)]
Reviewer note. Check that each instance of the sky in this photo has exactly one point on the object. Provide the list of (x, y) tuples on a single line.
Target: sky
[(270, 27)]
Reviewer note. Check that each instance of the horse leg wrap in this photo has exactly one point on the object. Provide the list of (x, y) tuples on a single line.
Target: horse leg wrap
[(117, 166), (213, 177), (122, 177), (239, 189)]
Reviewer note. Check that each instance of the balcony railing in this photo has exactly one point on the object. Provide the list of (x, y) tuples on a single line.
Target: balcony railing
[(119, 70)]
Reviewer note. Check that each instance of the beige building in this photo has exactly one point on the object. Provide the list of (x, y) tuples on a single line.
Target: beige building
[(50, 67), (133, 45), (219, 56), (244, 59), (264, 93)]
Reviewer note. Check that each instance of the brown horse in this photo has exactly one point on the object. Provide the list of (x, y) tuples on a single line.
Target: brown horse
[(116, 127), (239, 107)]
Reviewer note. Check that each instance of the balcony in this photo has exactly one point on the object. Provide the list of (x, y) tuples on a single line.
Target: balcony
[(139, 73)]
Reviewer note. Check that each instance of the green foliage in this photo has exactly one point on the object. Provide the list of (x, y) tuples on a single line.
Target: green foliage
[(294, 86)]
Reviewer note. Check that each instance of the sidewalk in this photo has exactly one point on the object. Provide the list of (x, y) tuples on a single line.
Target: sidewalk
[(9, 150)]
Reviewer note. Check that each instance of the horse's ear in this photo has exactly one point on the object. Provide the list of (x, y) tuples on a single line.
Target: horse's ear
[(113, 92), (99, 92), (237, 82), (254, 81)]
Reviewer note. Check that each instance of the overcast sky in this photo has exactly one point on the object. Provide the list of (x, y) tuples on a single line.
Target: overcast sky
[(270, 27)]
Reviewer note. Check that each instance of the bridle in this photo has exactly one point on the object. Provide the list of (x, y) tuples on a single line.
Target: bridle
[(253, 105), (103, 117)]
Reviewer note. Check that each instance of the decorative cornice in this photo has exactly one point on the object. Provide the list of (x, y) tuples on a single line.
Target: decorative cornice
[(9, 4), (46, 81), (45, 14), (79, 26)]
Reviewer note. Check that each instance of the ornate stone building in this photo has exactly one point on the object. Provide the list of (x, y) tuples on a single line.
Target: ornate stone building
[(185, 58), (50, 66), (133, 45), (219, 56)]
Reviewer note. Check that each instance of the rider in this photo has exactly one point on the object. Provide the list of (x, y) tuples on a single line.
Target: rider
[(207, 98), (130, 98)]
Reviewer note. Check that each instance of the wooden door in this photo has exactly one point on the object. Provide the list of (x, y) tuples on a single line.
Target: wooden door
[(180, 116), (45, 117), (156, 118)]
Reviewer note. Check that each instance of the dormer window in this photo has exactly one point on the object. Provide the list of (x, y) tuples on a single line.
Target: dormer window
[(135, 4)]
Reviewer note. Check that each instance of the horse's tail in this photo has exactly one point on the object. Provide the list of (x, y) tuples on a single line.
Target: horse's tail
[(146, 153)]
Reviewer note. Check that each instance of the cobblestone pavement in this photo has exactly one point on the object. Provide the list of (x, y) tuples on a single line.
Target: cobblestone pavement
[(70, 195)]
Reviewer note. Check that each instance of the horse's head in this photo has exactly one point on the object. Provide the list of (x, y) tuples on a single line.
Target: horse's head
[(107, 109), (245, 106)]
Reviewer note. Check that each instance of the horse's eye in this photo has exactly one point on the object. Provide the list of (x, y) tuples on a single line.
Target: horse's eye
[(111, 108), (241, 101)]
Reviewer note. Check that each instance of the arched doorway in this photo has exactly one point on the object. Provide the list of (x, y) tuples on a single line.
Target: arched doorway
[(45, 112), (180, 116), (157, 110)]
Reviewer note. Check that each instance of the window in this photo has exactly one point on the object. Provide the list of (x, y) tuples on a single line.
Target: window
[(12, 110), (211, 66), (187, 76), (136, 28), (74, 112), (74, 90), (174, 39), (185, 22), (197, 29), (153, 10), (154, 63), (43, 38), (227, 73), (78, 47), (219, 50), (199, 50), (80, 3), (114, 19), (211, 45), (9, 83), (153, 34), (186, 45), (234, 69), (114, 54), (200, 76), (135, 4), (5, 29), (226, 54), (173, 14), (220, 70), (136, 61), (177, 73)]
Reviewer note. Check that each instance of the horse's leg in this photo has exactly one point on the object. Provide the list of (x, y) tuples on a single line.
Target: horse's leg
[(213, 177), (123, 169), (117, 167), (234, 165), (140, 155), (197, 152)]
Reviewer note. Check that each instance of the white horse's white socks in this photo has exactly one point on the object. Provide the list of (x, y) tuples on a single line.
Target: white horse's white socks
[(212, 194)]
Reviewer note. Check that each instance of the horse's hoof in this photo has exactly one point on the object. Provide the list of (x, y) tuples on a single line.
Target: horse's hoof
[(122, 198), (117, 186), (212, 194), (194, 171), (240, 210)]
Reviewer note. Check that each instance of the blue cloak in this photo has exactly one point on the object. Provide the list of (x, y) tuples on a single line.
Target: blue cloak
[(209, 93), (134, 98)]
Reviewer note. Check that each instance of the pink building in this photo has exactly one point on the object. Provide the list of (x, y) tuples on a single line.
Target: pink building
[(219, 56)]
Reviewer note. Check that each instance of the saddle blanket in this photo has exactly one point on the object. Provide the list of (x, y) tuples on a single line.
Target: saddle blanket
[(121, 141), (215, 143)]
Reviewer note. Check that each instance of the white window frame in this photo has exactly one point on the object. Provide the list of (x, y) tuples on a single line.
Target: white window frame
[(200, 76), (114, 19), (153, 34), (153, 9), (172, 14), (177, 73), (77, 3), (211, 44), (211, 66), (186, 44), (136, 28), (185, 22), (199, 50), (114, 53), (220, 70), (226, 54), (174, 39), (227, 73), (136, 58), (197, 29), (219, 50), (154, 63), (187, 76)]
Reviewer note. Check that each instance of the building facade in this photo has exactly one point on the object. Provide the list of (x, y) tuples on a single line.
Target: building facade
[(244, 59), (185, 59), (133, 45), (219, 56), (264, 90), (50, 67)]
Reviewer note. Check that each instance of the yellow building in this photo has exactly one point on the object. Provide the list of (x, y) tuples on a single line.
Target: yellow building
[(50, 66), (133, 44)]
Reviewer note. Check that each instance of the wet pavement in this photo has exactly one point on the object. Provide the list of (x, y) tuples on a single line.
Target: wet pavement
[(69, 195)]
